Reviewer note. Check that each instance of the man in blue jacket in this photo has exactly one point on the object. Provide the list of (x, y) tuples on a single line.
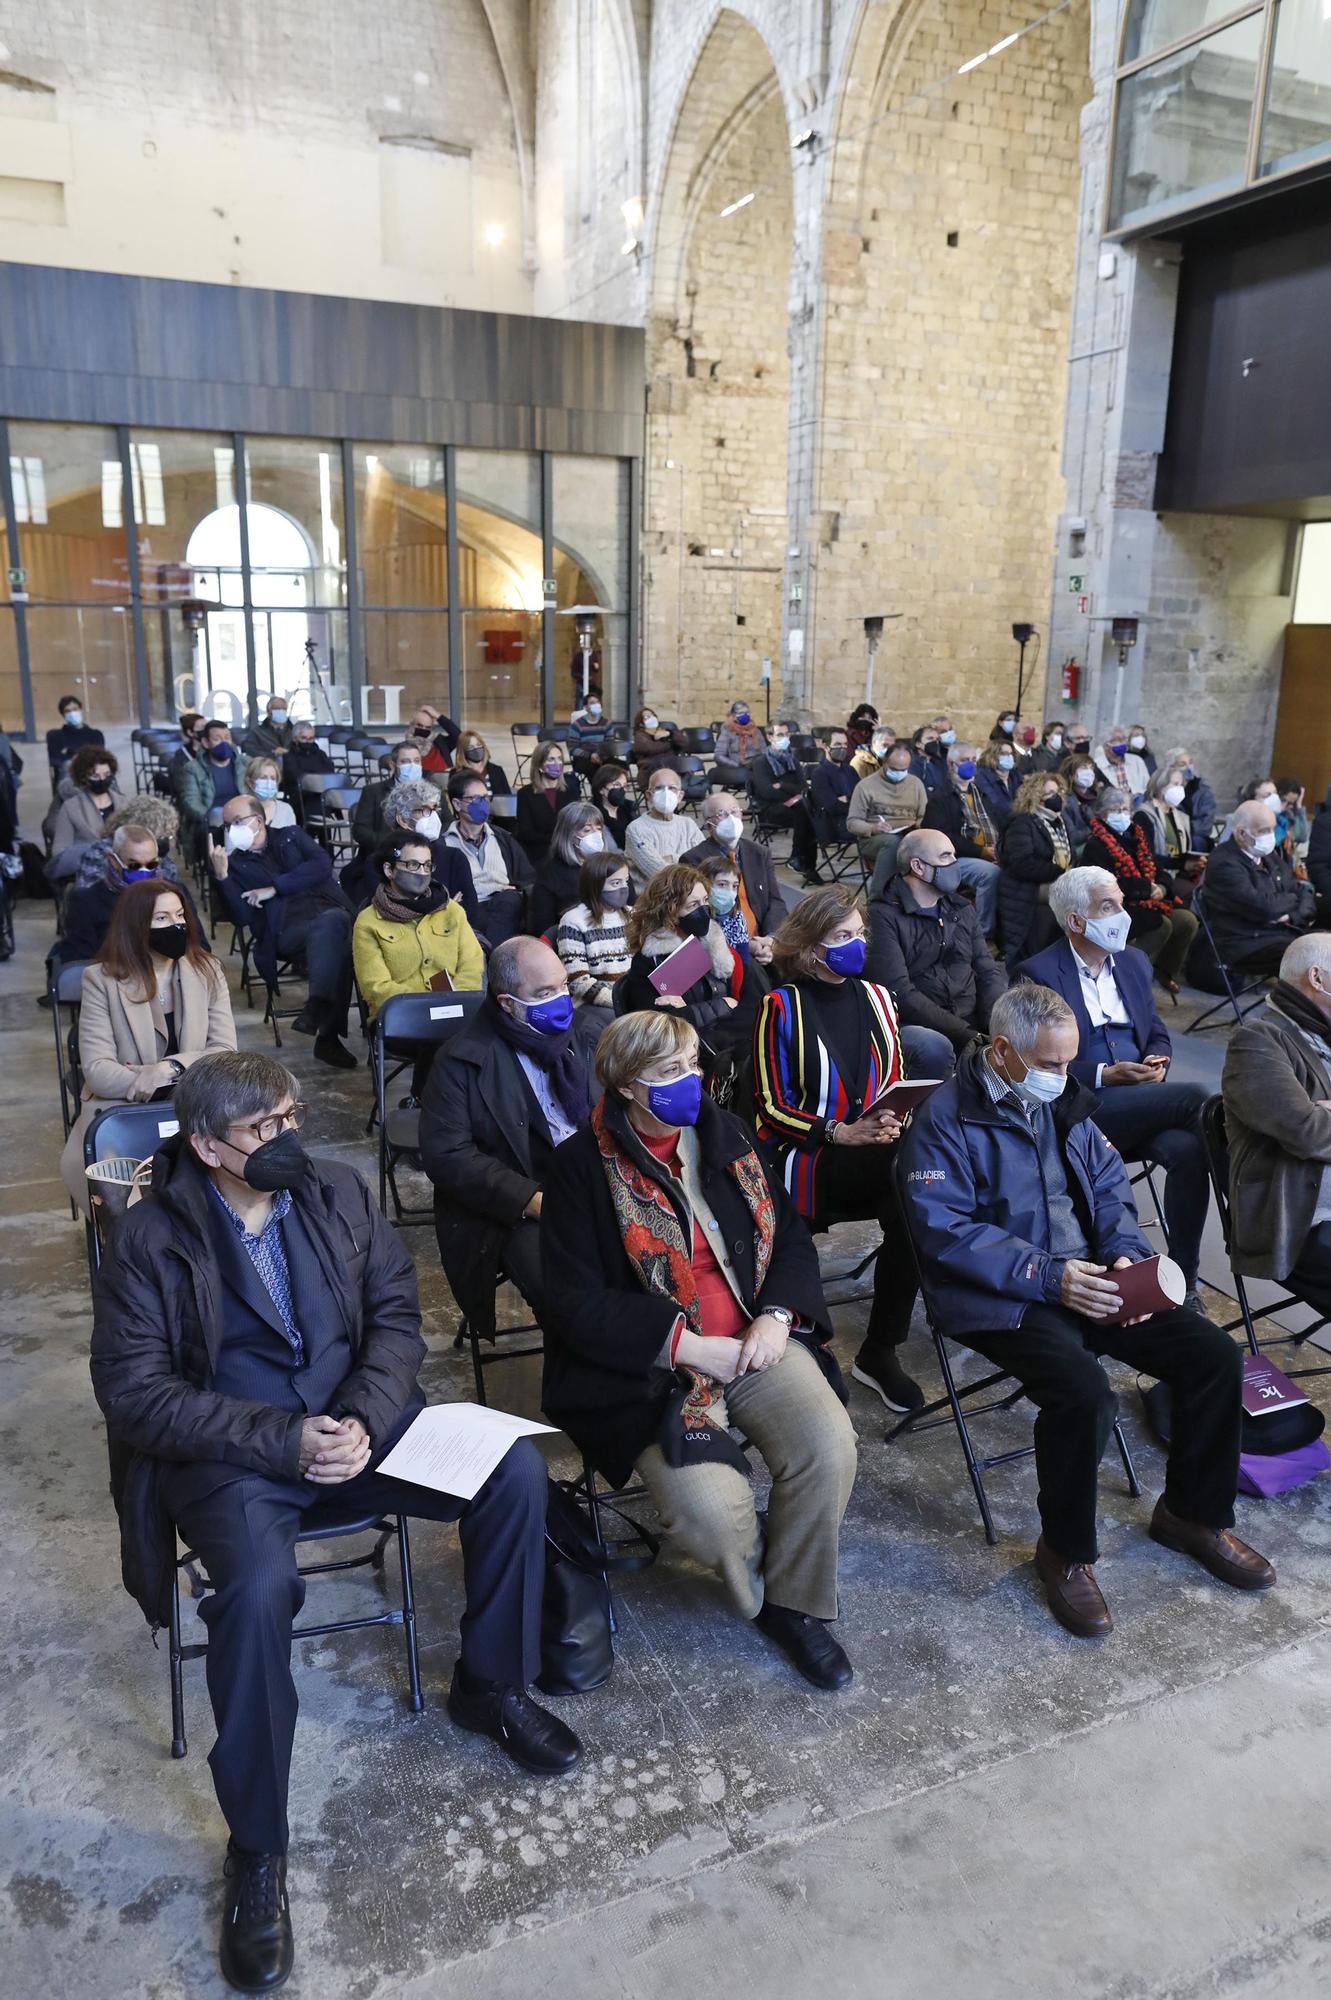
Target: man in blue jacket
[(278, 882), (1019, 1209), (1124, 1050)]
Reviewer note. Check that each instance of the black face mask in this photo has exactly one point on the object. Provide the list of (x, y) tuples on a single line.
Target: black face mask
[(422, 731), (695, 923), (615, 794), (169, 940), (279, 1163)]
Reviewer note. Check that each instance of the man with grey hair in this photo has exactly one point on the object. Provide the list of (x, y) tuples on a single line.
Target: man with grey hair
[(1277, 1092), (776, 779), (1020, 1210), (926, 945), (496, 864), (1124, 1050), (255, 1351), (761, 902), (1254, 900)]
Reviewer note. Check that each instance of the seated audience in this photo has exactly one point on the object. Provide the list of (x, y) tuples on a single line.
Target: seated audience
[(724, 883), (738, 742), (262, 779), (473, 756), (438, 737), (579, 831), (74, 733), (868, 760), (826, 1047), (997, 779), (404, 768), (832, 786), (956, 809), (502, 1094), (592, 937), (1048, 752), (131, 856), (613, 793), (1199, 800), (1139, 747), (587, 729), (1254, 901), (498, 872), (1124, 1050), (926, 945), (154, 1000), (552, 785), (761, 903), (928, 757), (209, 779), (885, 805), (79, 817), (270, 737), (1165, 823), (1081, 782), (191, 744), (1033, 851), (1118, 765), (654, 741), (1277, 1092), (777, 784), (662, 834), (305, 758), (412, 937), (861, 726), (297, 1373), (675, 905), (1161, 926), (1019, 1209), (1292, 823), (279, 883), (686, 1303), (1007, 730), (414, 806)]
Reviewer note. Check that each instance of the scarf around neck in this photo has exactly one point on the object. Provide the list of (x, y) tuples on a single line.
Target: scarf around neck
[(557, 1055), (389, 903)]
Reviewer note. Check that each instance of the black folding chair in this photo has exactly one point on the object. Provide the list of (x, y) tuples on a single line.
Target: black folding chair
[(1238, 986), (524, 737), (315, 789), (1215, 1141), (406, 1025), (121, 1132), (64, 991)]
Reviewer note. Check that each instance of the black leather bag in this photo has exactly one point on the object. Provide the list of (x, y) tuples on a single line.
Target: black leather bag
[(577, 1642)]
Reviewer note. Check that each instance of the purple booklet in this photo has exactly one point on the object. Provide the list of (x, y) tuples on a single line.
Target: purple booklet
[(1267, 1388)]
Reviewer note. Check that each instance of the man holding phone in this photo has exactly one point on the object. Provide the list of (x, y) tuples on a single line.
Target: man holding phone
[(1124, 1050)]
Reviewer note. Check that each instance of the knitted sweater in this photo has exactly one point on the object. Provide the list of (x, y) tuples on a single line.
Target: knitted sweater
[(593, 952)]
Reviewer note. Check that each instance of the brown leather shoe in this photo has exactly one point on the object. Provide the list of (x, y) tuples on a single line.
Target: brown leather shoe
[(1216, 1549), (1074, 1595)]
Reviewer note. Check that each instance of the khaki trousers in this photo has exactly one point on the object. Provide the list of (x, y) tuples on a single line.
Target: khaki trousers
[(804, 1435)]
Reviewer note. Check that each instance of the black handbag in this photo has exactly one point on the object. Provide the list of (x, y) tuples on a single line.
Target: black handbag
[(577, 1641)]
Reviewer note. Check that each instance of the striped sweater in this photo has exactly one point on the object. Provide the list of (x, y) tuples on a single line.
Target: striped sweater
[(798, 1087), (594, 951)]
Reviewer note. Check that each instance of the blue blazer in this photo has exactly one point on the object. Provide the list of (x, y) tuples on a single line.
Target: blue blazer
[(1056, 967)]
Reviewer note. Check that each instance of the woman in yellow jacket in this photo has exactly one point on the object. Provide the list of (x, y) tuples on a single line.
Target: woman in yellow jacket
[(411, 936)]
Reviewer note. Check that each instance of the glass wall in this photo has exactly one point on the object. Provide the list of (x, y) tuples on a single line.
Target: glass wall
[(1296, 127), (188, 525), (298, 569), (500, 584), (591, 514), (402, 552)]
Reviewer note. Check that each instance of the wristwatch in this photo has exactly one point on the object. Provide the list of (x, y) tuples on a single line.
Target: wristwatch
[(178, 1067), (783, 1313)]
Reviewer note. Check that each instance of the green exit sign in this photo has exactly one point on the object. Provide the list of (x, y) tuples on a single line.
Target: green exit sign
[(17, 578), (1075, 585)]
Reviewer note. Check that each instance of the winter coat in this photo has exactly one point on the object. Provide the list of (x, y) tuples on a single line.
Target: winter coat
[(1244, 901), (934, 962), (947, 813), (392, 957), (704, 1001), (534, 824), (1279, 1135), (1027, 863), (757, 872)]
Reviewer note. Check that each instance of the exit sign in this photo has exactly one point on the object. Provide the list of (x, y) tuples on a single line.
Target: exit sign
[(1075, 584)]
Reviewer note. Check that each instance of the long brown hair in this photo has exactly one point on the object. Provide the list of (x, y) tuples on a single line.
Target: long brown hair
[(809, 923), (126, 953), (659, 905)]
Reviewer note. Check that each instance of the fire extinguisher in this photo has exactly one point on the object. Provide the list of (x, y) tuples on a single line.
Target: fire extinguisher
[(1071, 676)]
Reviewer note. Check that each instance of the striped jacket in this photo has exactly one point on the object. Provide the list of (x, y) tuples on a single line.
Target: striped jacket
[(798, 1087)]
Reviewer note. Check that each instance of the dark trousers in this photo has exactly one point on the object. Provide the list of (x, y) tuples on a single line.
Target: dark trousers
[(323, 939), (1161, 1121), (244, 1531), (855, 1185), (803, 846), (1263, 960), (1053, 1355), (500, 916), (1311, 1276)]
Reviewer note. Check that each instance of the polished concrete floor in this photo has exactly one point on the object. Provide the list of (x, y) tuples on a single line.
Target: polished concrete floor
[(992, 1809)]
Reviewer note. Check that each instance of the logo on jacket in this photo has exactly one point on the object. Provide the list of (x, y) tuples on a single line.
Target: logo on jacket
[(929, 1174)]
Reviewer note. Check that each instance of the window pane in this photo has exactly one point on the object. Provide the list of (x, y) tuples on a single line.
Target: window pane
[(500, 574), (69, 509), (11, 690), (1154, 24), (406, 651), (401, 528), (87, 650), (1183, 123), (591, 526), (501, 674), (296, 522), (185, 508), (1297, 125), (303, 655)]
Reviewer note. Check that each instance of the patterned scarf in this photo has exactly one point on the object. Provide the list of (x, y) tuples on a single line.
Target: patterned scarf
[(1137, 862), (662, 1258)]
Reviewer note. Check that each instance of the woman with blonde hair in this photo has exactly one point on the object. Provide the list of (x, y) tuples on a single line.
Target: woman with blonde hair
[(552, 783), (262, 779), (685, 1303), (473, 756), (1034, 848)]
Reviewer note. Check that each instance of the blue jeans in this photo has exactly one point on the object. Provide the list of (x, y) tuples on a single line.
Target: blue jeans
[(983, 878), (928, 1053)]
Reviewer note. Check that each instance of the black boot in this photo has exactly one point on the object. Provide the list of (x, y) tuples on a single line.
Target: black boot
[(328, 1049), (879, 1369), (257, 1950), (808, 1645), (527, 1733), (312, 1018)]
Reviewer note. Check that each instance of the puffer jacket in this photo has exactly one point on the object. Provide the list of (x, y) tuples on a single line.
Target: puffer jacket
[(1027, 864)]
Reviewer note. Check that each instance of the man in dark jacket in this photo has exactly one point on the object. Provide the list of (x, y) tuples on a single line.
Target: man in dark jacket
[(831, 787), (776, 781), (1019, 1209), (279, 882), (1124, 1050), (500, 1097), (256, 1343), (270, 737), (72, 735), (760, 899), (1277, 1092), (1319, 860), (1254, 902), (87, 918), (956, 809), (498, 869), (926, 945)]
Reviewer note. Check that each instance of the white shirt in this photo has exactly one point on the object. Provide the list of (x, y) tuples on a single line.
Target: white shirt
[(1102, 1000), (551, 1109)]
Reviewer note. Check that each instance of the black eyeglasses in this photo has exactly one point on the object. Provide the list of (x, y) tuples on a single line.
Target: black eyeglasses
[(272, 1126)]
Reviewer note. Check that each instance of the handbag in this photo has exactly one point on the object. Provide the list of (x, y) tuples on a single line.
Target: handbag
[(577, 1632)]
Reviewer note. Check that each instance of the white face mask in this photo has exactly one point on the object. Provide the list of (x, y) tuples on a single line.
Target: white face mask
[(781, 743), (1136, 742), (665, 800), (1110, 933), (1173, 795), (239, 837), (278, 715), (1085, 777), (430, 827), (729, 829), (1120, 822), (1040, 1086), (1055, 742), (1264, 843), (649, 722), (591, 843), (409, 774), (74, 718)]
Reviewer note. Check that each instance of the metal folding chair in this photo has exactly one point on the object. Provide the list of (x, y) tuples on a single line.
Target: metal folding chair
[(405, 1025), (1237, 986), (124, 1132)]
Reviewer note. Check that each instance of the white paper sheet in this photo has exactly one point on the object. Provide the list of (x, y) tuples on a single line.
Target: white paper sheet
[(454, 1447)]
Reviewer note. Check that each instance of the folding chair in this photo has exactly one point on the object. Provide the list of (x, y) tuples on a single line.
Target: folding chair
[(1255, 985), (121, 1132), (1215, 1142), (312, 806), (64, 990), (406, 1024), (339, 802), (524, 737)]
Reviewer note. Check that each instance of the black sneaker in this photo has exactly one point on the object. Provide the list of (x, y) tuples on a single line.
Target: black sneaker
[(881, 1371), (257, 1950), (524, 1730), (808, 1645)]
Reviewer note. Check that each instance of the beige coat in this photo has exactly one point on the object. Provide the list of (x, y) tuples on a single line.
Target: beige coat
[(119, 1036)]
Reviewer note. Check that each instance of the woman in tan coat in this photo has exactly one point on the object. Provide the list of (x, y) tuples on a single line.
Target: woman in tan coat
[(154, 1000)]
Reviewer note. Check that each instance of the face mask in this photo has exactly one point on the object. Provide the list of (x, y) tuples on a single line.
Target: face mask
[(694, 923), (239, 837), (279, 1163), (591, 843), (742, 717), (1053, 804), (881, 746), (1264, 843), (847, 958), (1055, 741), (221, 753), (1137, 742), (169, 940), (966, 768), (1173, 795), (278, 715), (1120, 822), (593, 709), (946, 876), (649, 722), (665, 800), (410, 888), (780, 743), (422, 729), (615, 895), (1006, 763), (265, 788), (677, 1102), (1119, 749), (947, 736), (475, 754), (409, 774), (1008, 724), (137, 874), (837, 753), (552, 772), (615, 794), (723, 901), (430, 827), (1110, 933), (728, 829), (99, 781), (895, 777), (1041, 1086), (74, 718), (1188, 773), (550, 1017), (1086, 777)]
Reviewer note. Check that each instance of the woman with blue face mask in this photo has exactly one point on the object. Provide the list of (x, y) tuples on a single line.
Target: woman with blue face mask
[(685, 1303), (1034, 848), (997, 779), (1162, 926), (262, 781), (827, 1046)]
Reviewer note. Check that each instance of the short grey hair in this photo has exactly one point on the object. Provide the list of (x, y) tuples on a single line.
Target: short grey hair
[(1075, 890), (1244, 815), (130, 832), (1112, 799), (220, 1091), (956, 752), (570, 821), (1020, 1013), (504, 965), (1313, 948), (410, 801)]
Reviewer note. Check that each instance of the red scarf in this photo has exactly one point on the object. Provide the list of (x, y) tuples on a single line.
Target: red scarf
[(1136, 863)]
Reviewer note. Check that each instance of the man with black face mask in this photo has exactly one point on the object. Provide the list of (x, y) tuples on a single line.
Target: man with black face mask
[(256, 1344)]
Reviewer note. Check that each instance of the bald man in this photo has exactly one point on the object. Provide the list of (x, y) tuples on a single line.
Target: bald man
[(1254, 901), (926, 944), (1277, 1092)]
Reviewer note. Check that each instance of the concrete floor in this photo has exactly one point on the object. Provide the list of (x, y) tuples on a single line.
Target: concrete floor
[(993, 1808)]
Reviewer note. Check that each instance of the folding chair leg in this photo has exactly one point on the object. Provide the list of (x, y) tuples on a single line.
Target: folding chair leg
[(409, 1616), (179, 1747), (468, 1330), (963, 1432), (598, 1534), (1134, 1484)]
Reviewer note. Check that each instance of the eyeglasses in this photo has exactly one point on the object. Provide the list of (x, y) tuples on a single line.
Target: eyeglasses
[(274, 1124)]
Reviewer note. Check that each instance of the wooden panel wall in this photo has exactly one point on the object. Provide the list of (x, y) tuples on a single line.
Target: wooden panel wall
[(1303, 714)]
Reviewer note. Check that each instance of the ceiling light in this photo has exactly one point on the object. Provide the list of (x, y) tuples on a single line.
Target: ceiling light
[(743, 202), (493, 234), (634, 211)]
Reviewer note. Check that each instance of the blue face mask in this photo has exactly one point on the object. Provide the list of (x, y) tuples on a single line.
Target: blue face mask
[(265, 788), (848, 959), (678, 1102), (222, 753), (550, 1017), (742, 717), (1119, 749), (966, 768), (478, 811), (137, 874)]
